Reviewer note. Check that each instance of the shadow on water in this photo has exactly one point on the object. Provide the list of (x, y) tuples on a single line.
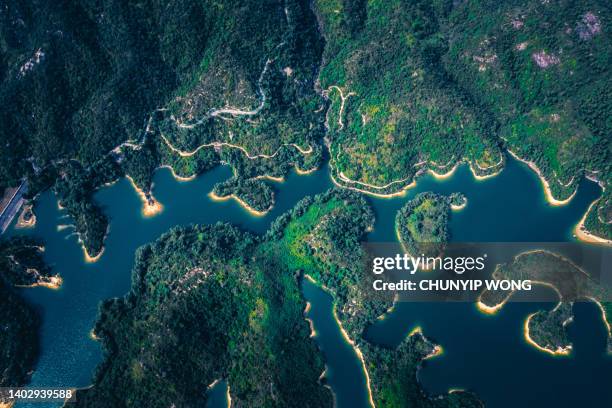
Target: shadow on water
[(484, 353)]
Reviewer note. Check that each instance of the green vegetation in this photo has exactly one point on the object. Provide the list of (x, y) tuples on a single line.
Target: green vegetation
[(255, 194), (21, 264), (79, 77), (394, 380), (394, 110), (409, 87), (422, 223), (200, 309), (223, 304), (542, 72), (88, 83), (19, 344), (427, 84), (75, 188), (548, 328)]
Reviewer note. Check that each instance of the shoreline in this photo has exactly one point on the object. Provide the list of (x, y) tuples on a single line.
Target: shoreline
[(479, 177), (22, 222), (581, 232), (93, 336), (547, 191), (358, 353), (460, 207), (348, 340), (176, 176), (54, 283), (270, 178), (151, 206), (248, 208), (313, 334), (448, 174), (561, 351), (605, 320), (89, 258), (305, 172)]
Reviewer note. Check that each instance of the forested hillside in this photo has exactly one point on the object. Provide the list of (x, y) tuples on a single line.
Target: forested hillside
[(21, 265), (402, 87), (424, 85)]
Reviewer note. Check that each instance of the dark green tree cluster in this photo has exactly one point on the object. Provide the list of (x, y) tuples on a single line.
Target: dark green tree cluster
[(547, 328), (542, 72), (22, 263), (394, 110), (256, 194), (75, 189), (206, 305), (422, 223), (79, 77), (393, 377), (19, 340)]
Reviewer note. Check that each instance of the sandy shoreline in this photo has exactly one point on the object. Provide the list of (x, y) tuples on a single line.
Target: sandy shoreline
[(583, 234), (459, 207), (89, 258), (547, 191), (54, 283), (483, 177), (305, 172), (251, 210), (448, 174), (561, 351), (347, 339), (176, 176), (359, 355), (150, 206), (22, 222)]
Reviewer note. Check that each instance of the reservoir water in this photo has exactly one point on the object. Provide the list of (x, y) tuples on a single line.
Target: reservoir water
[(485, 354)]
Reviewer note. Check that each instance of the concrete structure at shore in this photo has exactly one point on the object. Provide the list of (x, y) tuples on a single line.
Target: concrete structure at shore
[(11, 204)]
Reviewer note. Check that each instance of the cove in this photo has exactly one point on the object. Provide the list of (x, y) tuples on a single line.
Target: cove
[(486, 354)]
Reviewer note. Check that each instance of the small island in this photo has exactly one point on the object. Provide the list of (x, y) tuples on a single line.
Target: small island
[(422, 223)]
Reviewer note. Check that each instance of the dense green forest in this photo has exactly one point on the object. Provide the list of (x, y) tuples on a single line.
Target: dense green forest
[(393, 88), (425, 84), (547, 328), (203, 307), (19, 343), (21, 264), (542, 71), (422, 223), (225, 304), (394, 111)]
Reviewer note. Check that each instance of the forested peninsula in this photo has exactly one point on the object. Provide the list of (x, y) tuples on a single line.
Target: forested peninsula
[(225, 304)]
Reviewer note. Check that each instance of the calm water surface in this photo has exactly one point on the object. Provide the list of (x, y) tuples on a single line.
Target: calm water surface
[(486, 354)]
